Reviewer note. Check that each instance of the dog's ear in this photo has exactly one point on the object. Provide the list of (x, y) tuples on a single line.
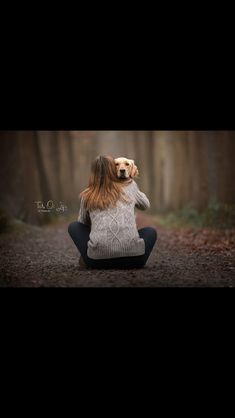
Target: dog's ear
[(134, 170)]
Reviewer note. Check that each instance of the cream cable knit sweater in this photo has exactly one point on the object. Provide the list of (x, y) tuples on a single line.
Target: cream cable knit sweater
[(114, 232)]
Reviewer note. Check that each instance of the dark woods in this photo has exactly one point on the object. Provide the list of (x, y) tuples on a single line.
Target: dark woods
[(177, 168)]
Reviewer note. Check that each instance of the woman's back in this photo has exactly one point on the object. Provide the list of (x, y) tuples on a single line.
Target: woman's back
[(114, 232)]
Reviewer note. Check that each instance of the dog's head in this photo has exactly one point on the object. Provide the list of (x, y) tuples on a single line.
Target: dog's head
[(126, 168)]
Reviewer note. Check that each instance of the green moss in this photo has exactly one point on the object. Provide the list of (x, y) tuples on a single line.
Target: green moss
[(10, 224), (217, 215), (5, 221)]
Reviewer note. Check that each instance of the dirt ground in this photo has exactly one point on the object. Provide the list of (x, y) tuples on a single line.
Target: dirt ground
[(47, 257)]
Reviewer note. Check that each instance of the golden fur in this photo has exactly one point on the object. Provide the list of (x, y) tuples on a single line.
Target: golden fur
[(126, 168)]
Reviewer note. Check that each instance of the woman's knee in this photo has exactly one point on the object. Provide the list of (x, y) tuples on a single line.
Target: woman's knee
[(72, 227), (152, 233)]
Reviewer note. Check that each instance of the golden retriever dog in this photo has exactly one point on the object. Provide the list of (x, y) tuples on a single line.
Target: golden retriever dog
[(126, 169)]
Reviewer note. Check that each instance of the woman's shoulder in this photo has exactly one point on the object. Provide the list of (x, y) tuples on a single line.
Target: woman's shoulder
[(130, 187), (129, 182)]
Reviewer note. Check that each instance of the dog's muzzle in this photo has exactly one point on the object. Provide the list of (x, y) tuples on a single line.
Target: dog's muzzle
[(122, 174)]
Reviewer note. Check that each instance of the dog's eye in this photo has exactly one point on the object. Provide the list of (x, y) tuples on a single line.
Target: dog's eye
[(117, 163), (127, 164)]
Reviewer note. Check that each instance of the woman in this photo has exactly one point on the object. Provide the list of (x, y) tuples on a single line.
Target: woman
[(106, 234)]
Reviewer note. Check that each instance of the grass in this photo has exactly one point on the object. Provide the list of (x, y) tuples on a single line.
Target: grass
[(9, 224), (216, 216)]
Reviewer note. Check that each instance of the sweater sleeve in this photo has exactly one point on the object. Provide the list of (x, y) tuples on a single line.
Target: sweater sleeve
[(83, 215), (142, 202)]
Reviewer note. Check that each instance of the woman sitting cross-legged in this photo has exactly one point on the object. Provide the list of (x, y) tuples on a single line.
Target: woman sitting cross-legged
[(106, 233)]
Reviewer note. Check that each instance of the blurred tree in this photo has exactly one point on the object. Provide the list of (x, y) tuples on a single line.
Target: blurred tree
[(177, 168)]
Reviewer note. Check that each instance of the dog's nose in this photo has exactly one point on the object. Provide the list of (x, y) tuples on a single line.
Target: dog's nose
[(122, 171)]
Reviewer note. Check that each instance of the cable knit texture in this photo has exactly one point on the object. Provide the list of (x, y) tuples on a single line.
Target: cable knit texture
[(114, 232)]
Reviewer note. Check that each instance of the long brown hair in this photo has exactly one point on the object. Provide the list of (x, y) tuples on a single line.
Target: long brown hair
[(104, 189)]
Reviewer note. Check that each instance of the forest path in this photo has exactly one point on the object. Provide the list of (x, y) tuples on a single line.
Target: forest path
[(47, 257)]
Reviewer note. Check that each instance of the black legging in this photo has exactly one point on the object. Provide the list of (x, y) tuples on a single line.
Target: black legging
[(80, 235)]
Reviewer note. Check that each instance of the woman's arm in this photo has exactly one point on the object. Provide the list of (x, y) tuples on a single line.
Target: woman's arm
[(83, 215), (142, 201)]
